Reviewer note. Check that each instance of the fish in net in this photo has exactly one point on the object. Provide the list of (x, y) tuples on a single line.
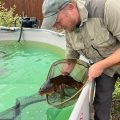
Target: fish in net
[(60, 90)]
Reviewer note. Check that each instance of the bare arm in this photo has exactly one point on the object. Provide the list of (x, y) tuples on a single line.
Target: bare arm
[(68, 66), (112, 59), (97, 69)]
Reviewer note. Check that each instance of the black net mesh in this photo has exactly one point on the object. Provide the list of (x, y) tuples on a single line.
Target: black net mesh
[(14, 112), (62, 90)]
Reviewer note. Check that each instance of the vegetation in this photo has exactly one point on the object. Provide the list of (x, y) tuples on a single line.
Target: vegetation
[(8, 16), (116, 93), (115, 112)]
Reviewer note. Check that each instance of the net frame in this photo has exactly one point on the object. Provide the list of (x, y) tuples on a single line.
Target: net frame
[(73, 97)]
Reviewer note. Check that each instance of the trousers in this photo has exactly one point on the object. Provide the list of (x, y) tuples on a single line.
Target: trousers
[(103, 96)]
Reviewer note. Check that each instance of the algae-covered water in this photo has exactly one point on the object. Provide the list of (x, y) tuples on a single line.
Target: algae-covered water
[(24, 67)]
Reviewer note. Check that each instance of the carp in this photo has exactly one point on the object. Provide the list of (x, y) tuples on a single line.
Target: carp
[(59, 82)]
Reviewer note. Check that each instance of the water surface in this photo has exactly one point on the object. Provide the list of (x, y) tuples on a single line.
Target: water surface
[(23, 69)]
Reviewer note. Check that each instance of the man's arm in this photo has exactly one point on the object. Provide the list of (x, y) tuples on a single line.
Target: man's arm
[(112, 22), (97, 69), (68, 66), (112, 17)]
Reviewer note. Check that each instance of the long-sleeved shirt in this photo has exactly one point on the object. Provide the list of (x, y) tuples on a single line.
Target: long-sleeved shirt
[(98, 35)]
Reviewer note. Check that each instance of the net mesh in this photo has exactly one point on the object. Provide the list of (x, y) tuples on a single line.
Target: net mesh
[(59, 98), (65, 88), (14, 112)]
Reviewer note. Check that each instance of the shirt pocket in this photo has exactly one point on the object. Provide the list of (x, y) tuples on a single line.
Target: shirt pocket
[(76, 40), (100, 36)]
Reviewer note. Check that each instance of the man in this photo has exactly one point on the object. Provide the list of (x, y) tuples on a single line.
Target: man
[(93, 30)]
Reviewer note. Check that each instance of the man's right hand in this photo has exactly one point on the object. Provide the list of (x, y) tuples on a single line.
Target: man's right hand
[(68, 67)]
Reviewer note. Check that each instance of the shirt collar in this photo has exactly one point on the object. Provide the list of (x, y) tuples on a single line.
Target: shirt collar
[(83, 11)]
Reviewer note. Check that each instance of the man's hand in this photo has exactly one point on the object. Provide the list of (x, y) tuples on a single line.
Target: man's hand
[(68, 67), (95, 71)]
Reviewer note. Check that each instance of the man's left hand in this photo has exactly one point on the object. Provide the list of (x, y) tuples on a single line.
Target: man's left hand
[(95, 71)]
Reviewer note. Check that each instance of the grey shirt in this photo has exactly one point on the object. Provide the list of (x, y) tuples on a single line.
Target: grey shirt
[(98, 35)]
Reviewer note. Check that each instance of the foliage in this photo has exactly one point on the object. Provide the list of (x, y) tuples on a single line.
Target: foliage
[(116, 93), (7, 16)]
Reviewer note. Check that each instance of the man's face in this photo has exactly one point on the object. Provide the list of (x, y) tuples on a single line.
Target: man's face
[(66, 19)]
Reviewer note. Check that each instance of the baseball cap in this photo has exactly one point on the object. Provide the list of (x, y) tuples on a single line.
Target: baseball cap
[(50, 9)]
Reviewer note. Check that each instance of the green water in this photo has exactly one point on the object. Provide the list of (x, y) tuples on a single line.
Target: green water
[(23, 69)]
